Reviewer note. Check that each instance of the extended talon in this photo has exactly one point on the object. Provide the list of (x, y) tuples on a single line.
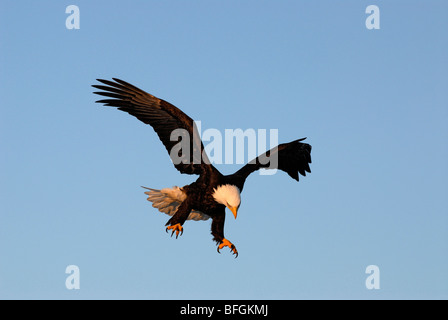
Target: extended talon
[(227, 243), (176, 228)]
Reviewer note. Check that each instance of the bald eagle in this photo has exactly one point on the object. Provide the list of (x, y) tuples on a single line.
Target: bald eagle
[(212, 192)]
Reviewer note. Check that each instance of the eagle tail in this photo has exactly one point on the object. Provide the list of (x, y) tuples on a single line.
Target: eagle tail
[(168, 201)]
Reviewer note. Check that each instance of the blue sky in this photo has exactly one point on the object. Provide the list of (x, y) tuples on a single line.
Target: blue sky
[(373, 104)]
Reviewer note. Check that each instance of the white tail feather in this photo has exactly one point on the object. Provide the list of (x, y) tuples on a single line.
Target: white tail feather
[(168, 201)]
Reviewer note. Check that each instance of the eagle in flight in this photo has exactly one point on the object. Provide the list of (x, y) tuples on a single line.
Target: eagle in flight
[(212, 192)]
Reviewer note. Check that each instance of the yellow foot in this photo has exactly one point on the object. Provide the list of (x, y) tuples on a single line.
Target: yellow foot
[(227, 243), (176, 228)]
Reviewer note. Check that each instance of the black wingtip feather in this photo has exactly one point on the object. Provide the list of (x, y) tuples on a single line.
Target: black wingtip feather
[(294, 175)]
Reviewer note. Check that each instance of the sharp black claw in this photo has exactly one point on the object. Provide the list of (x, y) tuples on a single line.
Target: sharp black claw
[(235, 252), (231, 247)]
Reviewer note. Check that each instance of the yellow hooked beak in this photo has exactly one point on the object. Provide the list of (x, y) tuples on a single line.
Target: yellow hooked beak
[(234, 210)]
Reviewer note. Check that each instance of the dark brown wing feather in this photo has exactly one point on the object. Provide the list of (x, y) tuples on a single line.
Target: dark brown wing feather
[(293, 158), (163, 117)]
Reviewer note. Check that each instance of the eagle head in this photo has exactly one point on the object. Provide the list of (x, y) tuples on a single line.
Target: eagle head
[(228, 195)]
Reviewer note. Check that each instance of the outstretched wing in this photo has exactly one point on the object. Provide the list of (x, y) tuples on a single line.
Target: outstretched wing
[(293, 158), (175, 129)]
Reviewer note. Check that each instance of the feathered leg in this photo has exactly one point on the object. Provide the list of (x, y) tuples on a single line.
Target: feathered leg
[(179, 218), (218, 233)]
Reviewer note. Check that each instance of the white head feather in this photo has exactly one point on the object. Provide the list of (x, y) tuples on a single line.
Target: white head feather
[(228, 195)]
